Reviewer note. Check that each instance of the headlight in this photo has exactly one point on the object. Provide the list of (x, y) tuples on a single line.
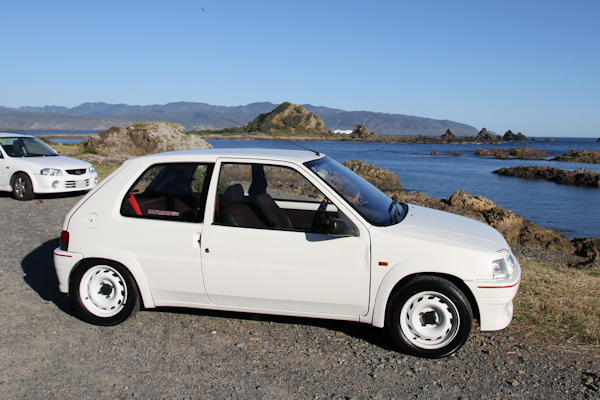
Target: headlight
[(91, 169), (504, 267), (51, 172)]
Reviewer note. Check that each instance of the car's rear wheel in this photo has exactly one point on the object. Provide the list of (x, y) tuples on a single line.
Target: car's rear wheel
[(22, 188), (104, 293), (429, 317)]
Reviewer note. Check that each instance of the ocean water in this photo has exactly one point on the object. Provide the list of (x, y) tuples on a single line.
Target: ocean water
[(574, 211)]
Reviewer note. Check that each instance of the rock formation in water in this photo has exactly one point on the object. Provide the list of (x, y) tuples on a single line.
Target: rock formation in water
[(584, 156), (518, 153), (581, 177)]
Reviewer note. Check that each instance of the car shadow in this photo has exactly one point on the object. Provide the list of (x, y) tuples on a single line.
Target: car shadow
[(47, 196), (368, 333), (41, 276)]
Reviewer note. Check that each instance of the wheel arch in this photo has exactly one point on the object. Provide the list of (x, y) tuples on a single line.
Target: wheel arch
[(29, 175), (145, 294), (384, 294)]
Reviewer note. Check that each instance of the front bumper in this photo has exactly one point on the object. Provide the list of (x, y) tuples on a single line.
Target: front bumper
[(495, 300), (64, 183), (64, 262)]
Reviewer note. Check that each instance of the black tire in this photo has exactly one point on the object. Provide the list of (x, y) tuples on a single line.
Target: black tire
[(22, 188), (104, 293), (429, 317)]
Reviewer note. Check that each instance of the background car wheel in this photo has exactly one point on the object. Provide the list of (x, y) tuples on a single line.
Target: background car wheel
[(21, 187), (429, 317), (104, 293)]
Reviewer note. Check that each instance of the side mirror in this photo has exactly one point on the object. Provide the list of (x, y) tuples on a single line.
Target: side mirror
[(339, 227)]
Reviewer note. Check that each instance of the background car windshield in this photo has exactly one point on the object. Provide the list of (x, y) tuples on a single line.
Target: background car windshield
[(374, 205), (25, 147)]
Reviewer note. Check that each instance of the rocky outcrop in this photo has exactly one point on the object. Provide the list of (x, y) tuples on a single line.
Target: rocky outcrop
[(362, 132), (485, 136), (588, 247), (462, 199), (581, 177), (117, 144), (448, 136), (584, 156), (520, 153), (380, 177), (511, 137)]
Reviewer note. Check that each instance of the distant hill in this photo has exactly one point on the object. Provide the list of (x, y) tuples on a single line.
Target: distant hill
[(201, 116)]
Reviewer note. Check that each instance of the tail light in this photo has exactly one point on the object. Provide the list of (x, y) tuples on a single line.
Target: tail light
[(64, 241)]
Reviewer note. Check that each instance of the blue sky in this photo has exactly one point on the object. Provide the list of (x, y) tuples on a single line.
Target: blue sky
[(528, 66)]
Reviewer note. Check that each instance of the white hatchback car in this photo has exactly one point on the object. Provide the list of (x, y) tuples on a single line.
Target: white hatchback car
[(28, 166), (281, 232)]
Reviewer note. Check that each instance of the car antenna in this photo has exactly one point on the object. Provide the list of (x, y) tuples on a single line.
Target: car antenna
[(302, 147), (285, 140), (230, 120)]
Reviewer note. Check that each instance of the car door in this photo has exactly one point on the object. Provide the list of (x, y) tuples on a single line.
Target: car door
[(296, 268), (161, 221)]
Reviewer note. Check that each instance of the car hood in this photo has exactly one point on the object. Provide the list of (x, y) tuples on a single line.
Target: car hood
[(60, 162), (444, 226)]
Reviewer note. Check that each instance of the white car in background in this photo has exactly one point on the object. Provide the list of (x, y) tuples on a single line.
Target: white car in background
[(282, 232), (28, 166)]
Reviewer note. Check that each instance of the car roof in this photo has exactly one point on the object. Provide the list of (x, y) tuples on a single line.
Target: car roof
[(296, 156), (13, 134)]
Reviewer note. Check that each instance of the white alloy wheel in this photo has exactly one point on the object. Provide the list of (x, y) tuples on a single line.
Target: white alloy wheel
[(429, 320), (103, 291)]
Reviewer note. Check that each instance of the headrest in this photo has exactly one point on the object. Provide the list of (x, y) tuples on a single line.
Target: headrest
[(258, 186), (233, 195)]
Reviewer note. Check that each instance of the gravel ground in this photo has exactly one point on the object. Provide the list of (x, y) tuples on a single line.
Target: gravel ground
[(46, 352)]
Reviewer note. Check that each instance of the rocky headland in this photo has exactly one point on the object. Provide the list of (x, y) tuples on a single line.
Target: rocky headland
[(580, 177)]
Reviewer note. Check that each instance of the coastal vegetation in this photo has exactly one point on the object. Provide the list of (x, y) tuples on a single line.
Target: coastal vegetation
[(558, 301)]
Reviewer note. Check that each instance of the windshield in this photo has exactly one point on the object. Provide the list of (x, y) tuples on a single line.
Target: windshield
[(374, 205), (25, 147)]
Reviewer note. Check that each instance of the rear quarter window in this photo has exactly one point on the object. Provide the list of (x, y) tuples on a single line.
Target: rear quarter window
[(174, 192)]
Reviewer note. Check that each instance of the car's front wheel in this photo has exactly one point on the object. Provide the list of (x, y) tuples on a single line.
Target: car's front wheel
[(22, 188), (429, 317), (104, 293)]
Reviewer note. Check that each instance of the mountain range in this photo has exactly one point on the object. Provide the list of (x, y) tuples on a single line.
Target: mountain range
[(201, 116)]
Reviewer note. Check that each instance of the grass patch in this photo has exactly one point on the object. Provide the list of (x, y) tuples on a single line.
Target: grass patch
[(558, 301), (103, 170)]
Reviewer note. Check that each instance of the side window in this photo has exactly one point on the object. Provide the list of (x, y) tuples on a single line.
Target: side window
[(268, 196), (174, 192)]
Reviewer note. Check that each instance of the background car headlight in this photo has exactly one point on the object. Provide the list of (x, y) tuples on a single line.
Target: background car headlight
[(51, 172), (504, 267), (91, 169)]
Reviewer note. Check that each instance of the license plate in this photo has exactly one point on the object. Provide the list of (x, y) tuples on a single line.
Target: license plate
[(80, 184)]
